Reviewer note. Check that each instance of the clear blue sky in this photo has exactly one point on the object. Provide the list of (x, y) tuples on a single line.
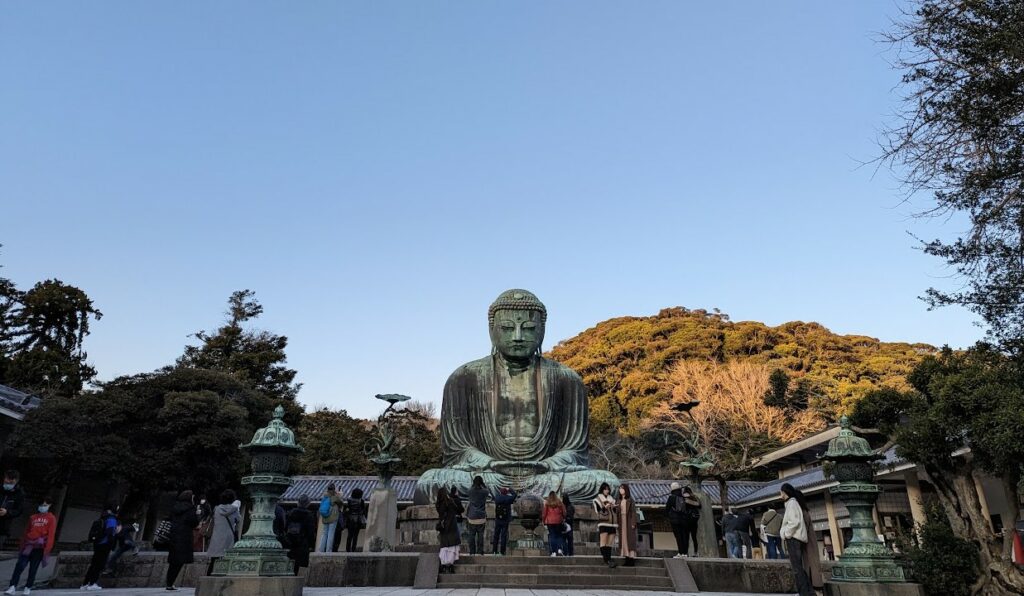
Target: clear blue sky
[(379, 171)]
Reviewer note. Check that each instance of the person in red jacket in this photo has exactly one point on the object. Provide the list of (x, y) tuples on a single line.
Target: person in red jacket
[(554, 517), (35, 546)]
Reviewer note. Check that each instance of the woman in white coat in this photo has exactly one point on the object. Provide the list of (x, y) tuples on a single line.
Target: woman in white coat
[(794, 533)]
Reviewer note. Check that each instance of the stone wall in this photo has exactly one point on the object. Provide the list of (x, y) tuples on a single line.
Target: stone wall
[(145, 570), (361, 569)]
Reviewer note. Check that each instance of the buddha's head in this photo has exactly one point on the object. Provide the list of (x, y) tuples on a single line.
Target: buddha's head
[(516, 321)]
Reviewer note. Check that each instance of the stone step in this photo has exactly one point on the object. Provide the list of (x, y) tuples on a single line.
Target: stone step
[(558, 586), (595, 569), (577, 560), (561, 580)]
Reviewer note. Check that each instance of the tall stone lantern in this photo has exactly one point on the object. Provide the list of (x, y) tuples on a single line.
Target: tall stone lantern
[(258, 559), (867, 566)]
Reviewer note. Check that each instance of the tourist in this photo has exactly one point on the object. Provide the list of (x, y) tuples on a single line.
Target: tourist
[(300, 533), (675, 508), (331, 506), (35, 546), (226, 519), (12, 502), (794, 532), (502, 517), (448, 511), (771, 523), (124, 541), (604, 506), (744, 531), (355, 519), (183, 521), (101, 534), (279, 523), (570, 520), (554, 517), (730, 522), (476, 515), (453, 492), (691, 520), (625, 509), (201, 535)]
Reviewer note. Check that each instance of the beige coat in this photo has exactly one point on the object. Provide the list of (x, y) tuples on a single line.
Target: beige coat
[(627, 527)]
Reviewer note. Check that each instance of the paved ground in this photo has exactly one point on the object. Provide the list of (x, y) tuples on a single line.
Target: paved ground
[(399, 592)]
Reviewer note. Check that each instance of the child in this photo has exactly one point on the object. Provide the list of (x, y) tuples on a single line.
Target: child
[(35, 546)]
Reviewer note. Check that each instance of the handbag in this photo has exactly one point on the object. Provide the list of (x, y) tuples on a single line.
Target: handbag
[(162, 535)]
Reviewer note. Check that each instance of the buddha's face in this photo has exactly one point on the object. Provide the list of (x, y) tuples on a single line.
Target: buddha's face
[(517, 334)]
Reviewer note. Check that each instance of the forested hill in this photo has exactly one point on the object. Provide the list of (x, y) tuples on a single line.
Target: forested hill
[(625, 361)]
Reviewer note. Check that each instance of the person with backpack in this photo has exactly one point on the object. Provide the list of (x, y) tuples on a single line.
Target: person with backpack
[(226, 521), (12, 502), (355, 519), (691, 520), (503, 502), (331, 505), (101, 535), (476, 515), (675, 508), (553, 517), (124, 541), (300, 533), (771, 521), (183, 521), (35, 547), (567, 527)]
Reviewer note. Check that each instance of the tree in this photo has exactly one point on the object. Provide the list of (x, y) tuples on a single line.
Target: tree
[(969, 399), (417, 434), (960, 135), (173, 429), (334, 443), (42, 337), (732, 420), (257, 357)]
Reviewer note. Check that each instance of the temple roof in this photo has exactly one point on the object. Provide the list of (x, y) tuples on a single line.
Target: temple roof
[(646, 492), (16, 404)]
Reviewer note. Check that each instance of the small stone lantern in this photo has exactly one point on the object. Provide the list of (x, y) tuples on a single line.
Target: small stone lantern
[(259, 553), (865, 559)]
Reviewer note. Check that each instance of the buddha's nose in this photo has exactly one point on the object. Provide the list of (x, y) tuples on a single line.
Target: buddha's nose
[(519, 334)]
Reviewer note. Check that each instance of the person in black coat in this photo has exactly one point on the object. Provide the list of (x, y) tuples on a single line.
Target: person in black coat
[(448, 512), (355, 519), (183, 522), (12, 502), (300, 533)]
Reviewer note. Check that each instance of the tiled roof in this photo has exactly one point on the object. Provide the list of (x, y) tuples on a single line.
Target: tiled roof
[(805, 481), (646, 492), (17, 401)]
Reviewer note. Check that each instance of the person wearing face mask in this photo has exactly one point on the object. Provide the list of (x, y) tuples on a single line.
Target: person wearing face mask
[(35, 546), (12, 502)]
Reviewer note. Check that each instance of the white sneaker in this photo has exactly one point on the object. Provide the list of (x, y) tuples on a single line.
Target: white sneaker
[(27, 591), (94, 587), (554, 554), (11, 590)]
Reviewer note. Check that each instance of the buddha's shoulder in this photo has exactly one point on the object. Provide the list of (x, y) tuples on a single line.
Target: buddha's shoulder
[(560, 369), (473, 368)]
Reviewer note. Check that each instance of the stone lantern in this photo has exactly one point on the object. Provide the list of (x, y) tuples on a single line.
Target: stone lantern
[(867, 566), (258, 557)]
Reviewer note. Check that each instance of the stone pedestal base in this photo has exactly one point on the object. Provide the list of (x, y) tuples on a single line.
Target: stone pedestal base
[(247, 586), (417, 525), (872, 589), (382, 521)]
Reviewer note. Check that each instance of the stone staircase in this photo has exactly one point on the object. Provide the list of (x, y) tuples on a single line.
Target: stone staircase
[(584, 572)]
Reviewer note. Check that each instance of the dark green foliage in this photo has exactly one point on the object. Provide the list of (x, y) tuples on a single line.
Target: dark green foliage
[(943, 563), (420, 442), (42, 332), (776, 395), (172, 429), (334, 443), (961, 137), (256, 357)]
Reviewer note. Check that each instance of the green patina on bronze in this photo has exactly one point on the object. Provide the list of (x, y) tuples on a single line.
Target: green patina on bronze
[(515, 418), (865, 558), (258, 552)]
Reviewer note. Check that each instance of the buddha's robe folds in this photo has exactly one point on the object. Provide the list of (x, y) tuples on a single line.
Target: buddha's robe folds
[(526, 430)]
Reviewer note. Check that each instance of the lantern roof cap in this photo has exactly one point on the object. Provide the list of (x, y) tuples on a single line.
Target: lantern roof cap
[(274, 436), (849, 445)]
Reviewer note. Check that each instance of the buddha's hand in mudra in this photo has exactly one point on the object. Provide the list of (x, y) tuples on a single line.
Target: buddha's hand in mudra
[(511, 467)]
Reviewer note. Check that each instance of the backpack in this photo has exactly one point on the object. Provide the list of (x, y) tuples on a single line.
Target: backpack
[(678, 504), (325, 507), (502, 512)]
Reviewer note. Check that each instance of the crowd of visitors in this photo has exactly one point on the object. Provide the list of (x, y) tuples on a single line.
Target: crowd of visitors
[(339, 515)]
